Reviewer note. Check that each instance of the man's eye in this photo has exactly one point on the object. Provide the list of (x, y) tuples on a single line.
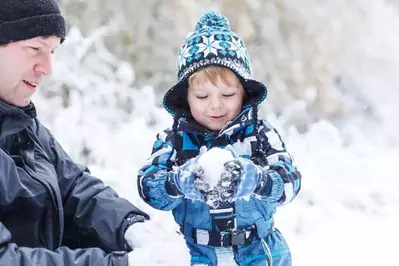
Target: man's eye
[(35, 48), (202, 97), (228, 95)]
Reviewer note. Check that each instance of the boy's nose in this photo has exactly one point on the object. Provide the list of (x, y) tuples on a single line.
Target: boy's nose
[(216, 103)]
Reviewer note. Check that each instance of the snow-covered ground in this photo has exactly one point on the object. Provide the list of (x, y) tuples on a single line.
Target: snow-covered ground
[(347, 212)]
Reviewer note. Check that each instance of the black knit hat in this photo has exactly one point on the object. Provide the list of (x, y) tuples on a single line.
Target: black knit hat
[(26, 19)]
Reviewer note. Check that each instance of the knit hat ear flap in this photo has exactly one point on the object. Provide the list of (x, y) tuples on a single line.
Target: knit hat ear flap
[(258, 156)]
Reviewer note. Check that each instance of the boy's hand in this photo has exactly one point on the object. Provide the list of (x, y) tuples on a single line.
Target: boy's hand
[(233, 170), (247, 174), (226, 187), (181, 180)]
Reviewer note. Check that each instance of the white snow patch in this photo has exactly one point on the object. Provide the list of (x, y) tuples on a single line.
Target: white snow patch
[(212, 163)]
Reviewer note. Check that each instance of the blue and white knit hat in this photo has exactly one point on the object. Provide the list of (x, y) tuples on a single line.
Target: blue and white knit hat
[(212, 43)]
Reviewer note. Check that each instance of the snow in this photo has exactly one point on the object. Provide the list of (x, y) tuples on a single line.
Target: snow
[(218, 175), (347, 212), (212, 162), (169, 242)]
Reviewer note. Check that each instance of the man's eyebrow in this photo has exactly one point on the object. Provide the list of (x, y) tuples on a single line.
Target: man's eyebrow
[(41, 40)]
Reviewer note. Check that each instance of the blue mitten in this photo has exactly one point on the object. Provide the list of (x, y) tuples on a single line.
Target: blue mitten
[(234, 180), (260, 181), (181, 180), (251, 174), (229, 179)]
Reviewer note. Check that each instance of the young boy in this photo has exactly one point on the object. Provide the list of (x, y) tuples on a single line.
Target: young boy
[(215, 104)]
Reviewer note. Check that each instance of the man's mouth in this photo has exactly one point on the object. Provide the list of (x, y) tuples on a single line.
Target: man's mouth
[(30, 84)]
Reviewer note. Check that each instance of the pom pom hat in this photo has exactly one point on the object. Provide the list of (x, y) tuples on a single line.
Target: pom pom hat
[(212, 43)]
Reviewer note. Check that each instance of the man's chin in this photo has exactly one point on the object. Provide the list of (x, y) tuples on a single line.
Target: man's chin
[(20, 104), (26, 103)]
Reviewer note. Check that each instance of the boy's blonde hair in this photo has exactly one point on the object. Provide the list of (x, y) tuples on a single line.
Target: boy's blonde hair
[(214, 74)]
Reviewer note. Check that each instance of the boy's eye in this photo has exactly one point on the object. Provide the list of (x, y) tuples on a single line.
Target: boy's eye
[(35, 48), (228, 95), (202, 97)]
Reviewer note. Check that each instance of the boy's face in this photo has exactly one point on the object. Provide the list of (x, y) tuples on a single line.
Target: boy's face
[(22, 67), (213, 105)]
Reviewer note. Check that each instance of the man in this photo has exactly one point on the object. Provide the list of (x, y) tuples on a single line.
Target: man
[(52, 211)]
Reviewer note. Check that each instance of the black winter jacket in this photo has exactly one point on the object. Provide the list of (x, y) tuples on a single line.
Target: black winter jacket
[(52, 211)]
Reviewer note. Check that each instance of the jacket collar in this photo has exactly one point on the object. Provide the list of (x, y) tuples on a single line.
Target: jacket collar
[(13, 119), (243, 119)]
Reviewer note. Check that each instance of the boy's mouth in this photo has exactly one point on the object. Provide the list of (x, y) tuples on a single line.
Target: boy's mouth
[(217, 116)]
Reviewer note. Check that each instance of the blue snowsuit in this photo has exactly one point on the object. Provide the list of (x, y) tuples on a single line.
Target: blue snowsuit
[(196, 218)]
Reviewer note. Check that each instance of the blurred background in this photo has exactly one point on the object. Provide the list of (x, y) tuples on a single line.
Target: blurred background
[(330, 68)]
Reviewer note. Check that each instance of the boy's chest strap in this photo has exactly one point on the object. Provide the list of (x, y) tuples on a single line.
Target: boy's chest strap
[(224, 233), (224, 238)]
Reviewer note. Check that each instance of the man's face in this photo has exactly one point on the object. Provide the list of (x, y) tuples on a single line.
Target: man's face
[(22, 67)]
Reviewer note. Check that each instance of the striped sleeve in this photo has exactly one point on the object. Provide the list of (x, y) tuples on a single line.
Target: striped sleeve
[(286, 179), (152, 177)]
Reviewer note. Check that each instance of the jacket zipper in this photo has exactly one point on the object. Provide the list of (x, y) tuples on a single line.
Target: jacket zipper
[(49, 205)]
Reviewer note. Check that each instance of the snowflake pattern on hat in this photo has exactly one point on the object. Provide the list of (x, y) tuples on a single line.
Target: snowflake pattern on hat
[(213, 42)]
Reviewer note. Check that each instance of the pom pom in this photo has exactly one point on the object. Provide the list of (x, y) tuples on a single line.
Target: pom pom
[(212, 19)]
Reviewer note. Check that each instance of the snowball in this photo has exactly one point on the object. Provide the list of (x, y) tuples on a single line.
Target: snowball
[(212, 163)]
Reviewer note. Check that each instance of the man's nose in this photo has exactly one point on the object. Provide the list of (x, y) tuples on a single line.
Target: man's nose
[(44, 67)]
